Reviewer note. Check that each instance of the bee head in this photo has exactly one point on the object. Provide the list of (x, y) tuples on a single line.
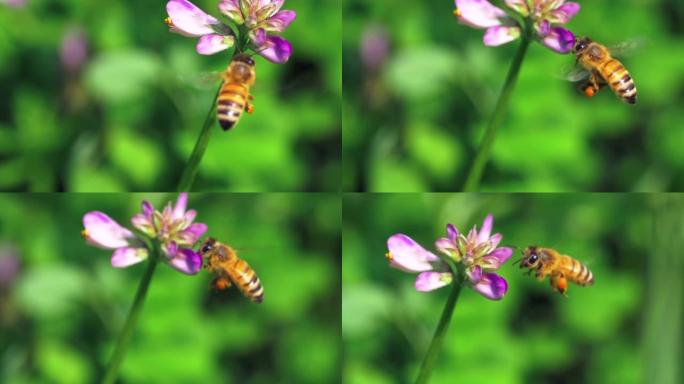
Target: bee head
[(207, 246), (530, 257), (243, 58), (581, 44)]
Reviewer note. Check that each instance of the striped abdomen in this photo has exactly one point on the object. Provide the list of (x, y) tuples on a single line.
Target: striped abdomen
[(230, 103), (577, 272), (246, 280), (619, 80)]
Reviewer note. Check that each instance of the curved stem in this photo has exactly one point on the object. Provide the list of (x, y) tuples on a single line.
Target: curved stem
[(443, 325), (191, 168), (132, 319), (475, 174)]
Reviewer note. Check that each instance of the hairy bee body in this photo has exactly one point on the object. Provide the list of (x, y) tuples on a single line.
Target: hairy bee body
[(234, 96), (604, 69), (561, 268), (223, 260)]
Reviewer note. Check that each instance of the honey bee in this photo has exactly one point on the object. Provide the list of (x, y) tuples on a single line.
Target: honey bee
[(561, 268), (602, 70), (234, 96), (223, 260)]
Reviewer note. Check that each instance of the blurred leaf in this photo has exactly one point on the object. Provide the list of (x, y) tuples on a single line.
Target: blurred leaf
[(122, 76)]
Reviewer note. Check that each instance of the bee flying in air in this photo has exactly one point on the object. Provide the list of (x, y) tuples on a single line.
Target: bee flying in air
[(602, 69), (561, 268), (223, 260), (234, 96)]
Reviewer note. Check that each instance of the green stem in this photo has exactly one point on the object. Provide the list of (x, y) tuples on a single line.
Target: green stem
[(133, 315), (475, 174), (436, 343), (201, 145)]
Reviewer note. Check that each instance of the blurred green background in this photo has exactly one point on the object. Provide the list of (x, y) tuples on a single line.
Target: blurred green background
[(62, 310), (416, 101), (126, 116), (626, 328)]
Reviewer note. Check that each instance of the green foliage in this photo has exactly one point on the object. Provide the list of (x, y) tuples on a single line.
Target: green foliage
[(129, 117), (60, 318), (533, 335), (438, 83)]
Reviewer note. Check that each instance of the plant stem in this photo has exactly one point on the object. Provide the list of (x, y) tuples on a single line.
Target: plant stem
[(475, 174), (443, 325), (132, 319), (192, 167)]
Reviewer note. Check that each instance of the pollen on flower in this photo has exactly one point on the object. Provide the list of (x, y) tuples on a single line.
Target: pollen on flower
[(457, 12), (168, 22), (84, 233), (389, 256)]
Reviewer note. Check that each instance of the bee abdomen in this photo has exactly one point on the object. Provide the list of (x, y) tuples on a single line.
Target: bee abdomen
[(248, 282), (581, 274), (620, 81), (230, 104)]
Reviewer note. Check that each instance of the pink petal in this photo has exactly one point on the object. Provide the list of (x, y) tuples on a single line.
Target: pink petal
[(231, 8), (407, 255), (486, 229), (193, 233), (189, 19), (496, 36), (102, 231), (519, 6), (474, 274), (143, 224), (560, 40), (495, 239), (495, 259), (479, 13), (213, 43), (273, 48), (492, 286), (181, 204), (452, 232), (281, 20), (186, 261), (564, 13), (124, 257), (446, 246), (429, 281), (190, 216)]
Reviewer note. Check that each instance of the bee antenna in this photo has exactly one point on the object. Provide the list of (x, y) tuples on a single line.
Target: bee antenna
[(517, 261)]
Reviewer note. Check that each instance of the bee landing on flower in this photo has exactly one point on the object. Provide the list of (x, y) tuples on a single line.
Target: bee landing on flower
[(478, 253)]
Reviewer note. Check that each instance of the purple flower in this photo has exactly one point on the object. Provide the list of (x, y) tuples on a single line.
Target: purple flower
[(263, 20), (478, 252), (74, 50), (547, 18), (173, 228), (374, 47), (9, 265)]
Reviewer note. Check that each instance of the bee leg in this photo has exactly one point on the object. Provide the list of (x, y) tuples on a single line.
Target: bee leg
[(221, 283), (559, 283), (249, 108)]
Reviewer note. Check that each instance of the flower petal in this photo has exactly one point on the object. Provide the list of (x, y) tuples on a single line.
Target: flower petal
[(494, 240), (147, 209), (181, 205), (479, 13), (560, 40), (452, 232), (231, 8), (102, 231), (486, 229), (407, 255), (125, 257), (186, 261), (519, 6), (429, 281), (191, 234), (496, 36), (447, 246), (492, 286), (278, 22), (474, 274), (189, 19), (564, 13), (495, 259), (213, 43), (273, 48)]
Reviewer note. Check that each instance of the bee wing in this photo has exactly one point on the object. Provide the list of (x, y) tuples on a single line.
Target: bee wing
[(204, 80), (628, 47), (574, 73)]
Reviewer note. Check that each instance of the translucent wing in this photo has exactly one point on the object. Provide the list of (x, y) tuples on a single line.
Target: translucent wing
[(574, 73), (627, 48), (204, 80)]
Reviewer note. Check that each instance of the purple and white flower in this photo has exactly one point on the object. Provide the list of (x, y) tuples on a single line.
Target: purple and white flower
[(547, 16), (478, 252), (173, 228), (264, 21)]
